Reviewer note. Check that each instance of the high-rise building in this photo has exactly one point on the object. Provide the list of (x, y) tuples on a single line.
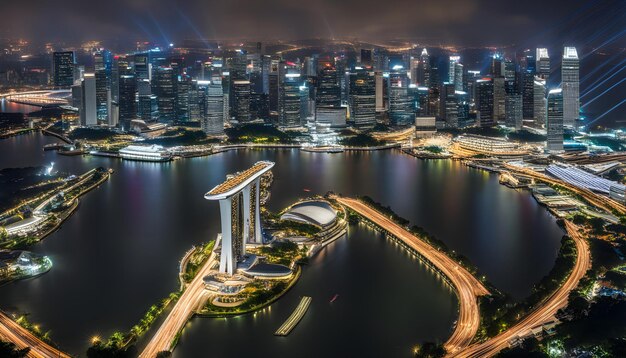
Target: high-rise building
[(529, 70), (555, 110), (463, 109), (540, 102), (514, 111), (185, 99), (127, 101), (147, 106), (459, 80), (366, 58), (419, 97), (449, 105), (289, 99), (423, 70), (380, 79), (213, 120), (102, 66), (543, 63), (496, 65), (143, 66), (88, 115), (63, 68), (452, 68), (499, 99), (484, 101), (328, 90), (258, 99), (380, 60), (570, 79), (414, 63), (362, 98), (241, 101), (400, 110), (77, 95), (121, 66), (164, 87), (434, 89)]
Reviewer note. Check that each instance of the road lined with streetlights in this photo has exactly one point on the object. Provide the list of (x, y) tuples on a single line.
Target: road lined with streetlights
[(22, 338), (193, 297), (546, 311), (468, 288)]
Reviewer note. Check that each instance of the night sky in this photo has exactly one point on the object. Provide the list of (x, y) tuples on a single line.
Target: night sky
[(461, 22)]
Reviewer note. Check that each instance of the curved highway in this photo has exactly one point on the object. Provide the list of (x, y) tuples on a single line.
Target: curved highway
[(193, 297), (468, 288), (545, 313), (21, 337)]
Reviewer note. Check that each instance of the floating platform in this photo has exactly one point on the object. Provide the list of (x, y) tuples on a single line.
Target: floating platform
[(295, 317)]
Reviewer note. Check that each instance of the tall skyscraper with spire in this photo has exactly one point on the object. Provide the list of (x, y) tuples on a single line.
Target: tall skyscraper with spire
[(570, 82)]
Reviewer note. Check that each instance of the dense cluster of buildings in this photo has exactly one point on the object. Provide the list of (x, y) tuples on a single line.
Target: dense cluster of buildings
[(219, 85)]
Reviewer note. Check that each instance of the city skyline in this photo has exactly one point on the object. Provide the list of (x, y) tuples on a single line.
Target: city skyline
[(235, 178)]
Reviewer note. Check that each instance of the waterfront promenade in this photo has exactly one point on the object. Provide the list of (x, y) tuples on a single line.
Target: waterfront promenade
[(468, 288)]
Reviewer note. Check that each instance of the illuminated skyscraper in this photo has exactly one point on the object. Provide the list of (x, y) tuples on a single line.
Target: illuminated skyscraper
[(484, 101), (448, 102), (458, 77), (147, 106), (213, 120), (142, 66), (127, 100), (570, 79), (88, 115), (400, 111), (362, 98), (63, 69), (185, 98), (540, 102), (543, 63), (102, 66), (328, 90), (514, 111), (555, 112), (423, 70), (241, 101), (499, 99), (529, 69), (452, 68), (164, 87)]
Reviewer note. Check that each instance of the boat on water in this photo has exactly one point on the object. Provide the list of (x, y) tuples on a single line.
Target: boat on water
[(334, 298), (306, 190), (151, 153)]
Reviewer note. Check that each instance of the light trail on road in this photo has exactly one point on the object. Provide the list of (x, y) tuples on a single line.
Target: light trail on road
[(468, 288), (193, 297), (22, 338), (546, 311)]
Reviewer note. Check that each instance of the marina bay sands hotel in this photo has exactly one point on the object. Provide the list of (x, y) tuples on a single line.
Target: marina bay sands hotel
[(239, 198)]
